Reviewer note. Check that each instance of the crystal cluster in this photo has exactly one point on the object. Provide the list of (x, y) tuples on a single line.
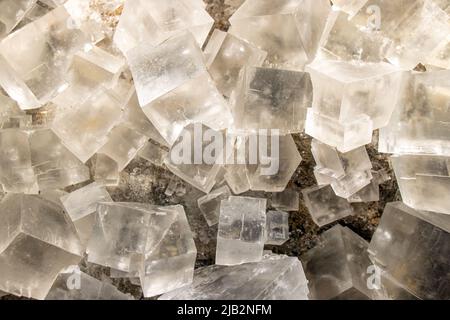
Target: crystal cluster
[(218, 120)]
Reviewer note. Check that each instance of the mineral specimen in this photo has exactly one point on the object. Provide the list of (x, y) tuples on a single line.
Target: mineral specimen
[(37, 241), (209, 204), (277, 227), (413, 250), (241, 235), (12, 12), (275, 277), (288, 200), (288, 30), (154, 241), (106, 170), (325, 206)]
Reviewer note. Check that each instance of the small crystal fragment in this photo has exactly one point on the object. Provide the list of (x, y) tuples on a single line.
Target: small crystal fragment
[(325, 206), (277, 227), (414, 251), (37, 241), (209, 204), (242, 225), (275, 277)]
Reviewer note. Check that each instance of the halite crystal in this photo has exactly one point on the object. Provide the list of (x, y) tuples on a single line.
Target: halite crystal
[(106, 170), (272, 99), (288, 200), (242, 225), (12, 12), (76, 285), (337, 267), (275, 277), (325, 206), (33, 80), (153, 153), (226, 56), (288, 30), (153, 21), (37, 241), (423, 180), (277, 227), (154, 241), (410, 247), (421, 122), (209, 204), (81, 206)]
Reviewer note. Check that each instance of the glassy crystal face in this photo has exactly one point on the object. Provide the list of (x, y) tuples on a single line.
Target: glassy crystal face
[(37, 241), (157, 70), (277, 227), (153, 153), (77, 285), (154, 241), (272, 99), (345, 90), (423, 180), (413, 250), (242, 225), (209, 204), (275, 277), (274, 170), (226, 56), (288, 30), (288, 200), (33, 80), (11, 116), (155, 21), (421, 122), (11, 13), (95, 118), (106, 170), (325, 206), (187, 158), (195, 101), (337, 267)]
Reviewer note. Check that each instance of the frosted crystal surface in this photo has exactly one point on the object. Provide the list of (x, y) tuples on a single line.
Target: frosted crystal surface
[(277, 227), (37, 241), (275, 277), (242, 225)]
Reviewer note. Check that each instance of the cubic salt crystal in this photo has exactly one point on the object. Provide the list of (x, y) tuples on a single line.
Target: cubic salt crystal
[(237, 179), (153, 153), (275, 277), (195, 101), (337, 267), (413, 250), (343, 136), (371, 192), (16, 171), (277, 228), (77, 285), (155, 241), (33, 80), (209, 204), (226, 56), (106, 170), (421, 122), (288, 200), (325, 206), (423, 180), (95, 117), (12, 12), (440, 57), (37, 241), (11, 116), (153, 21), (123, 145), (182, 159), (242, 225), (346, 90), (81, 206), (272, 99), (53, 164), (288, 30), (275, 169)]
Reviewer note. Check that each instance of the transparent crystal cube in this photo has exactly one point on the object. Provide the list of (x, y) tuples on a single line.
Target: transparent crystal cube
[(209, 204), (12, 12), (288, 200), (277, 228), (106, 170)]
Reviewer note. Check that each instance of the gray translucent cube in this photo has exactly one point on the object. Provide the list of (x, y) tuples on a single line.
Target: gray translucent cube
[(241, 236), (37, 241), (288, 200), (277, 227), (413, 249)]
